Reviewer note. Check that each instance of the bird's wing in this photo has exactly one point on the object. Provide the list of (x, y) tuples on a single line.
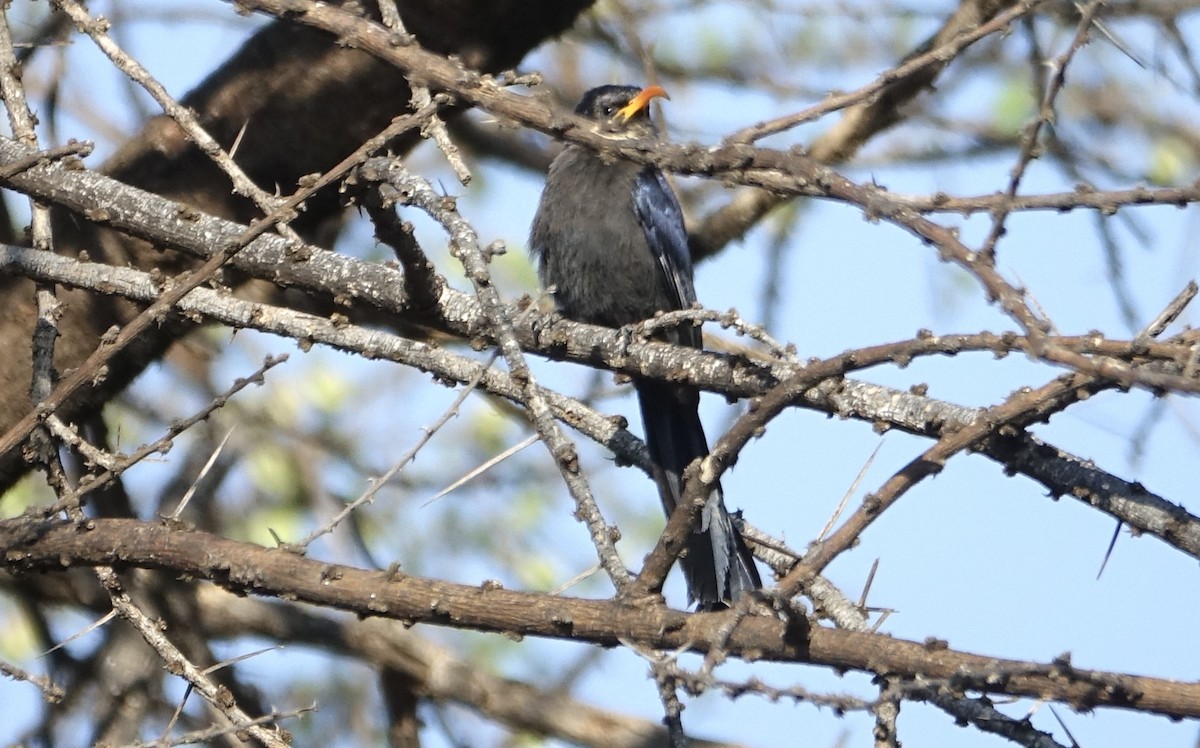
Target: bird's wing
[(661, 219)]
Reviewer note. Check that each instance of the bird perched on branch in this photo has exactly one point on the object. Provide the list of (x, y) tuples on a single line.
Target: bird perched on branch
[(610, 241)]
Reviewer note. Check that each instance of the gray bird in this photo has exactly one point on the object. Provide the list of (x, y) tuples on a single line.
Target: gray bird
[(610, 241)]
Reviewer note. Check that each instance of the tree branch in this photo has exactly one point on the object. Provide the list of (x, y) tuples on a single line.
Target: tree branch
[(36, 545)]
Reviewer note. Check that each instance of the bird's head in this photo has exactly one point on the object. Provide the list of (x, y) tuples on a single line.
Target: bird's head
[(621, 109)]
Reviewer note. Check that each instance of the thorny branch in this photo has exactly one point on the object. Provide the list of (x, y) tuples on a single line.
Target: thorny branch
[(414, 599), (773, 378), (815, 385)]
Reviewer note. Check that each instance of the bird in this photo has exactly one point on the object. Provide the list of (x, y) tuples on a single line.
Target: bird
[(610, 244)]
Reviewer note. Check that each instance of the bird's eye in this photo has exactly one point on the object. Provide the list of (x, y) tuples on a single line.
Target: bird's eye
[(609, 109)]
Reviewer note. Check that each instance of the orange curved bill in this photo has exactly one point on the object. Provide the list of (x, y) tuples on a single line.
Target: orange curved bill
[(641, 101)]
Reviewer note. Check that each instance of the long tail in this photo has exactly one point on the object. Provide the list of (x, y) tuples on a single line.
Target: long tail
[(717, 564)]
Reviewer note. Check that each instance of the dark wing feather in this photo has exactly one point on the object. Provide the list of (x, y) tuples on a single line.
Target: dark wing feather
[(718, 566), (661, 219)]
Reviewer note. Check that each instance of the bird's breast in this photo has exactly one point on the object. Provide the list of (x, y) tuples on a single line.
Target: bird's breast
[(591, 248)]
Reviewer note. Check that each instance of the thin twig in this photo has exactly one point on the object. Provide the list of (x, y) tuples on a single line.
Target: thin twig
[(421, 97), (426, 434), (217, 696)]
